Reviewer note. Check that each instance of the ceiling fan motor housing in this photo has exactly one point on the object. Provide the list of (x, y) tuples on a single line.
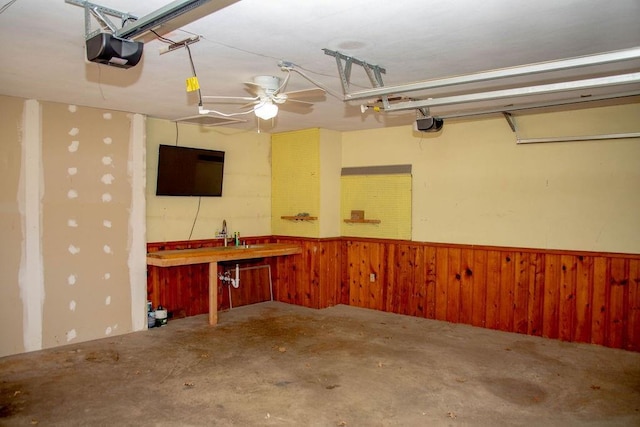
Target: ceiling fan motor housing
[(268, 83)]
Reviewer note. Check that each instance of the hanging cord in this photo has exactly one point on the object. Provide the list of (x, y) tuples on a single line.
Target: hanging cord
[(193, 67), (195, 218), (193, 70), (6, 6)]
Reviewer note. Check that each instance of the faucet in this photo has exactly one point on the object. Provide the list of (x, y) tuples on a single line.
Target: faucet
[(224, 231)]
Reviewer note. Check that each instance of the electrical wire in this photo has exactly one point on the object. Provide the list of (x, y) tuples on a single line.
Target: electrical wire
[(193, 67), (290, 67), (277, 59), (220, 113), (315, 82), (7, 5), (195, 218)]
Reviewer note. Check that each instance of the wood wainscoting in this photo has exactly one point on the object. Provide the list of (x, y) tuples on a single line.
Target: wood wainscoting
[(573, 296)]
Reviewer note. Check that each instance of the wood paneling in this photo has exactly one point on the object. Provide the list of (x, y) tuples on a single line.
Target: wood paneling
[(568, 295), (313, 278)]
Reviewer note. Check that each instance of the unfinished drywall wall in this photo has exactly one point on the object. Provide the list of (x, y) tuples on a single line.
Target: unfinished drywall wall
[(78, 257), (246, 194), (473, 184), (11, 310)]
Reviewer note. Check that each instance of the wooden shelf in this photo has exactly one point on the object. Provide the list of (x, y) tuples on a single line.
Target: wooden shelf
[(362, 221), (299, 218)]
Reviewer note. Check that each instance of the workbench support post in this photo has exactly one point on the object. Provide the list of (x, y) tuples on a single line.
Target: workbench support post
[(213, 293)]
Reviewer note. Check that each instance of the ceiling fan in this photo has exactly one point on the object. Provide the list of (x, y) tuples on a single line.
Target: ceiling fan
[(268, 94)]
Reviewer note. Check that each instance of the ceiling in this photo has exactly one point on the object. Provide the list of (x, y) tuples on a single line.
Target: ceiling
[(43, 54)]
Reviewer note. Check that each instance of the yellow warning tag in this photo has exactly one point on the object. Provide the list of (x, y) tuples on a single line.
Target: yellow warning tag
[(192, 84)]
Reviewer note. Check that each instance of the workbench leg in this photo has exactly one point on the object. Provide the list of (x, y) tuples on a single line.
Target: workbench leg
[(213, 293)]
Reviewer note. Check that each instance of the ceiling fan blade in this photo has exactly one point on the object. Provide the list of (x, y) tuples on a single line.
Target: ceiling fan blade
[(305, 93), (297, 101), (296, 107), (251, 104), (215, 98)]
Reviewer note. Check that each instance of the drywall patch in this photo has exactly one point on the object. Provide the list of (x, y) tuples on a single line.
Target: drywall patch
[(72, 108), (72, 334), (72, 171), (72, 305), (73, 147), (72, 223), (107, 116), (107, 140), (71, 280), (106, 160), (106, 197), (72, 194), (30, 192), (107, 249), (106, 276), (106, 223), (74, 250), (107, 179), (107, 300), (74, 132)]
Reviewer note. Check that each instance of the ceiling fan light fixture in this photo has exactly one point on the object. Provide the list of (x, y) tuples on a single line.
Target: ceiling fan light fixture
[(266, 111)]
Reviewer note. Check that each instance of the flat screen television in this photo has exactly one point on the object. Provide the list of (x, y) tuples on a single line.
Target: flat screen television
[(186, 171)]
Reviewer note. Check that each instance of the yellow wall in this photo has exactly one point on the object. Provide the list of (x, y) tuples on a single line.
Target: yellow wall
[(296, 182), (330, 168), (472, 184), (306, 179), (246, 194), (386, 198)]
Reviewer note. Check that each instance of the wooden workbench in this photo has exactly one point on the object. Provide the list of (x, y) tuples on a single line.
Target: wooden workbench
[(214, 255)]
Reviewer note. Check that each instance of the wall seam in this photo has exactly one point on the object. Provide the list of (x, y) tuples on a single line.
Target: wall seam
[(137, 224), (30, 192)]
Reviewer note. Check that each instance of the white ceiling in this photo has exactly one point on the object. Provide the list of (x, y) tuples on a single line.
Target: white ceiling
[(42, 53)]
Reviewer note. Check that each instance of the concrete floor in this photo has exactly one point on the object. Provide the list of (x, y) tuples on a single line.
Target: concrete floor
[(282, 365)]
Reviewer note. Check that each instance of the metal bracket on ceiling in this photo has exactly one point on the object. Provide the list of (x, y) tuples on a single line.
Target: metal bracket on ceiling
[(511, 121), (620, 86), (101, 14), (345, 62)]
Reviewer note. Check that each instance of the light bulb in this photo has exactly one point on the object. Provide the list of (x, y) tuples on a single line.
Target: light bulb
[(266, 111)]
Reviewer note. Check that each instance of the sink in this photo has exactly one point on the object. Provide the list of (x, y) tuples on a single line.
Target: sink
[(233, 247)]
